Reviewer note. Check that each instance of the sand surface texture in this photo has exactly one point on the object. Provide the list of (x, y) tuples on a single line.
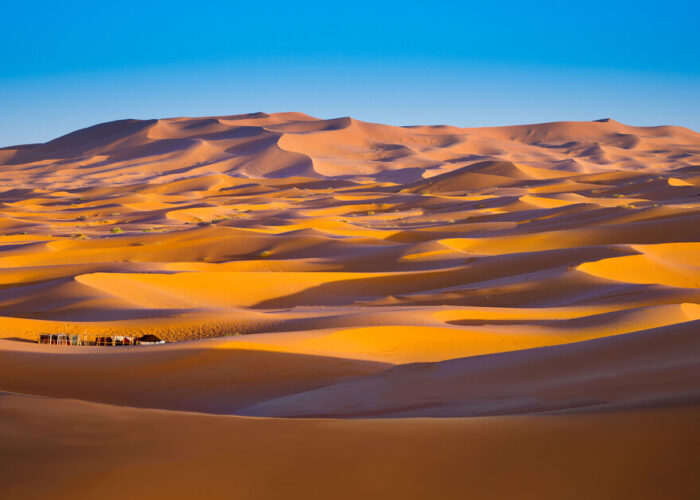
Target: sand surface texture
[(366, 311)]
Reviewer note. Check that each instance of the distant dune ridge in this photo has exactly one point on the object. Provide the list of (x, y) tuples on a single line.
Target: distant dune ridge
[(439, 312), (282, 145)]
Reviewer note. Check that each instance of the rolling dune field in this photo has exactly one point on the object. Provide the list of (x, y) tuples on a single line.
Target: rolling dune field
[(352, 310)]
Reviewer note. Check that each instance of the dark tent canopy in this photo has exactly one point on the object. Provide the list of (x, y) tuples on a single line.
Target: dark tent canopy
[(149, 338)]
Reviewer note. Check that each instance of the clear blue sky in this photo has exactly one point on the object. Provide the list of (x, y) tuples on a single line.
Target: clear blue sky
[(71, 64)]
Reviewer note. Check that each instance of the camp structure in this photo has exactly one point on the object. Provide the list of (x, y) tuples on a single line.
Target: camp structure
[(105, 340), (115, 340), (149, 340), (62, 339)]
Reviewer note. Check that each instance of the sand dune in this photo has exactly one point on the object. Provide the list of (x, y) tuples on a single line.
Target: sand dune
[(641, 454), (653, 367), (181, 377), (377, 297)]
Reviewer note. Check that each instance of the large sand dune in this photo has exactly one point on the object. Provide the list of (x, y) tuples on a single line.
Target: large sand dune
[(367, 310)]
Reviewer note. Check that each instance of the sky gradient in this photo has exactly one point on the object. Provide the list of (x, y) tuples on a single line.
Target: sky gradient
[(71, 64)]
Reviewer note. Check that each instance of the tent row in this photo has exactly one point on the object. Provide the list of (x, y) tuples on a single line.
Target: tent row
[(114, 340)]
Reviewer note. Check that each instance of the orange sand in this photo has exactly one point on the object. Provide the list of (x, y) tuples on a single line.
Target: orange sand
[(407, 312)]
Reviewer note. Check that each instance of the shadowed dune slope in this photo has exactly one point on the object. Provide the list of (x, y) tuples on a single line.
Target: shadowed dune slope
[(185, 376), (646, 454)]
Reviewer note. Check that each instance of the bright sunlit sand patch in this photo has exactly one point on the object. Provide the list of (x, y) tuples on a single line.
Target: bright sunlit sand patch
[(671, 264)]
